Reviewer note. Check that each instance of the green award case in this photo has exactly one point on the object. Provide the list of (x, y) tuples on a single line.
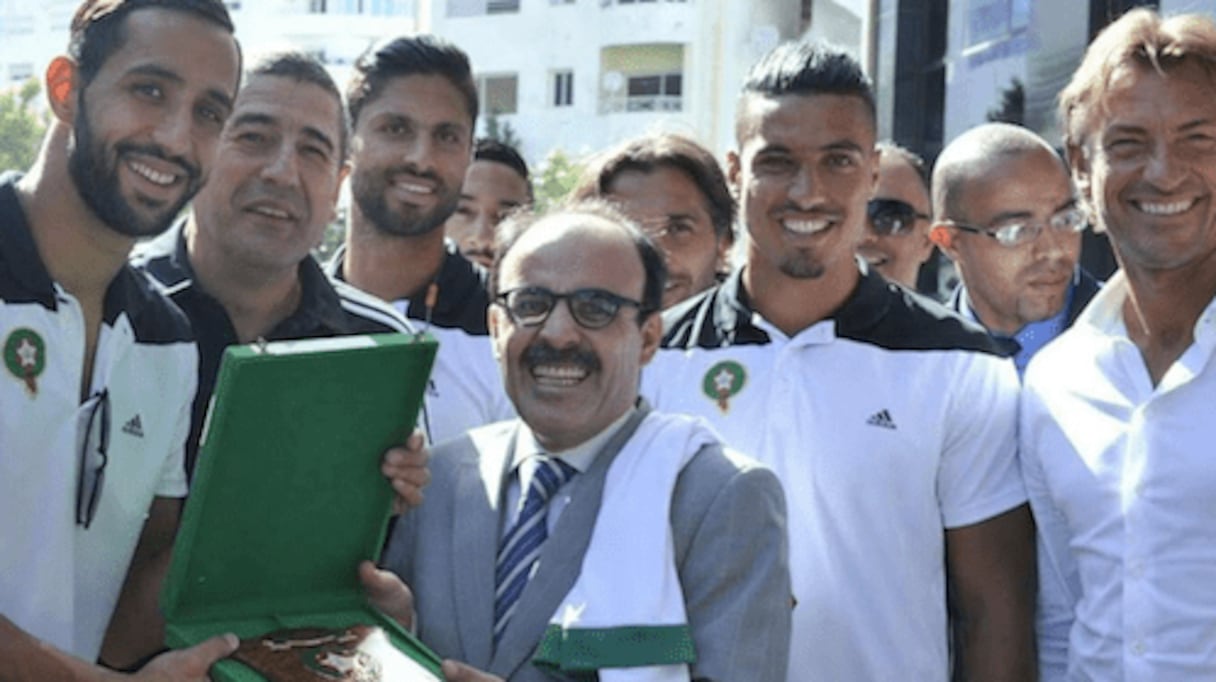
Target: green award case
[(288, 497)]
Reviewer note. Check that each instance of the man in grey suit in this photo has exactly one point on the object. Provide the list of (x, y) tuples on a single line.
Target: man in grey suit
[(508, 582)]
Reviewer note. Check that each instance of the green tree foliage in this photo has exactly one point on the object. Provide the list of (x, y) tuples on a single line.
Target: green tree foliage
[(499, 130), (21, 127), (555, 177)]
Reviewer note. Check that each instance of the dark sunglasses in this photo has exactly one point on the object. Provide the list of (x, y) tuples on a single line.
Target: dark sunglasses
[(590, 308), (892, 216), (94, 455)]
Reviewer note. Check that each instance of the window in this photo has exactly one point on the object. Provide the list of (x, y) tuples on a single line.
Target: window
[(497, 94), (991, 20), (660, 92), (563, 88), (645, 77), (474, 8)]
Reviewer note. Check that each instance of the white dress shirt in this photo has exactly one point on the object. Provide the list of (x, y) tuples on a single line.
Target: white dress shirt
[(1122, 478)]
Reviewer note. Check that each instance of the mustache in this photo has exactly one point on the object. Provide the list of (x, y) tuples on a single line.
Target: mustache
[(411, 169), (543, 354), (190, 170)]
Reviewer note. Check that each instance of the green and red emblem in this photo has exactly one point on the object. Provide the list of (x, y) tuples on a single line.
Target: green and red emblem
[(25, 356), (722, 381)]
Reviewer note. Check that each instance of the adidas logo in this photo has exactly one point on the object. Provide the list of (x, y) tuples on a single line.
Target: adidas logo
[(882, 418), (134, 427)]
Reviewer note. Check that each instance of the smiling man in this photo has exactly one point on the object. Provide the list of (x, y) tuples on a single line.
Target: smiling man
[(897, 243), (495, 184), (239, 265), (1117, 427), (99, 366), (413, 105), (674, 188), (535, 528), (834, 377), (1005, 212)]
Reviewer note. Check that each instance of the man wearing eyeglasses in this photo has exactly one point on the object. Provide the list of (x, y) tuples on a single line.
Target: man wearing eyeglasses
[(897, 242), (675, 189), (553, 545), (1006, 213), (99, 368)]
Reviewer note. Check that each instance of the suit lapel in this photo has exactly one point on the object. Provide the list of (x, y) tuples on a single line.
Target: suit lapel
[(476, 516), (561, 559)]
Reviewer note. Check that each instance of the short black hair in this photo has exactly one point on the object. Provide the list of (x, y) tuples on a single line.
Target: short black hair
[(809, 68), (410, 56), (665, 150), (489, 149), (653, 262), (97, 29), (304, 68)]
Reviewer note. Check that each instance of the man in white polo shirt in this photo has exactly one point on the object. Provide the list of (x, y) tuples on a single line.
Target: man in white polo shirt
[(890, 421), (1117, 427), (98, 367)]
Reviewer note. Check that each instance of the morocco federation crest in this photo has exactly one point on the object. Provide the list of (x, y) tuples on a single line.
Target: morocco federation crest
[(25, 356), (723, 381)]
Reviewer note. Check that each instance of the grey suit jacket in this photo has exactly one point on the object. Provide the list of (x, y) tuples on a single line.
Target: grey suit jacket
[(728, 521)]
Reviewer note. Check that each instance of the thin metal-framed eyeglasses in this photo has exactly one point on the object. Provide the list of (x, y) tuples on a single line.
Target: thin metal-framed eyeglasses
[(591, 308), (1069, 220), (890, 217), (94, 455)]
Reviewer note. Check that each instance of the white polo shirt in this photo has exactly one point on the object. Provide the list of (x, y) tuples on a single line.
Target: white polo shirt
[(1122, 478), (466, 388), (887, 424), (60, 581)]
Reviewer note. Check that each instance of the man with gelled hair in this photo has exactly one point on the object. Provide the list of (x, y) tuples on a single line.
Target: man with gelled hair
[(830, 375), (413, 108), (1116, 428), (99, 366)]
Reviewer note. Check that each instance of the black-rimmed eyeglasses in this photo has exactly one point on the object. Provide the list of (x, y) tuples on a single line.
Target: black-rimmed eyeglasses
[(892, 216), (590, 308), (94, 455), (1016, 233)]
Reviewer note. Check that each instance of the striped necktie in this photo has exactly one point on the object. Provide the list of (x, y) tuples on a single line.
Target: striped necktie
[(521, 545)]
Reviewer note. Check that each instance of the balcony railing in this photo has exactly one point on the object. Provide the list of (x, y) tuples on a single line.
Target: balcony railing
[(623, 103)]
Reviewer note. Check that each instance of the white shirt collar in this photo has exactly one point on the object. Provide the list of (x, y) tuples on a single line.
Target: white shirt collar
[(580, 456)]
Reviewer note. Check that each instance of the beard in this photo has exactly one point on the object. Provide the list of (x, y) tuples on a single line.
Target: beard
[(94, 171), (801, 265), (369, 189)]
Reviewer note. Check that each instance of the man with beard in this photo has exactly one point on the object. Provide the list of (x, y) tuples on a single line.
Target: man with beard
[(1005, 212), (240, 265), (413, 107), (890, 421), (674, 188), (552, 544), (99, 368)]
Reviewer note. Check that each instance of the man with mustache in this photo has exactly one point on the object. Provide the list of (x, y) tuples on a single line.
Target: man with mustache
[(1005, 212), (99, 367), (240, 265), (554, 543), (889, 420), (674, 188), (413, 105)]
